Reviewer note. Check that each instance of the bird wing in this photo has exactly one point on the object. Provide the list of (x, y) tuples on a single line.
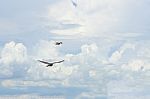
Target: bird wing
[(58, 43), (73, 3), (44, 62), (58, 61)]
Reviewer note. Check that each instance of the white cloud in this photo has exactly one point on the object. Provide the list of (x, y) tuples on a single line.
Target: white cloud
[(84, 69), (46, 50), (96, 18), (93, 17), (24, 83), (59, 72), (92, 73), (13, 52), (136, 65), (72, 65), (117, 55), (87, 56)]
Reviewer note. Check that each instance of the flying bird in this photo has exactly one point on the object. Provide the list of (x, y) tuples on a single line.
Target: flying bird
[(74, 3), (50, 64), (58, 43)]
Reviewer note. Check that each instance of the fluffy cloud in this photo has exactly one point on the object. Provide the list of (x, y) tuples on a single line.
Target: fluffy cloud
[(46, 50), (84, 69), (134, 65), (117, 55), (88, 63), (87, 56), (12, 54), (57, 72)]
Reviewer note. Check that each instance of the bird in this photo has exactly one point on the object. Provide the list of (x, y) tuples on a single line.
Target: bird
[(74, 3), (50, 64), (58, 43)]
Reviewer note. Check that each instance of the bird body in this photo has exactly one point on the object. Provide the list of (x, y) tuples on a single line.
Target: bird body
[(58, 43)]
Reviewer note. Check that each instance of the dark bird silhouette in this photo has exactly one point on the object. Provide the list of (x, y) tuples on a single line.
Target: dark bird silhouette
[(74, 3), (58, 43), (50, 64)]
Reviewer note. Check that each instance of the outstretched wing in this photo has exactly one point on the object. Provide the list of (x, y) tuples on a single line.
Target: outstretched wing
[(58, 61), (44, 62)]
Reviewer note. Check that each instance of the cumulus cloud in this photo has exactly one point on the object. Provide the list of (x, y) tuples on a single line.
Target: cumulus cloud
[(88, 54), (58, 72), (46, 50), (87, 60), (117, 55), (72, 67), (13, 52), (136, 65), (83, 69)]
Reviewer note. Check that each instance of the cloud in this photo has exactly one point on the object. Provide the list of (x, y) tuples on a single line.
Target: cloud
[(134, 65), (88, 59), (97, 18), (89, 22), (98, 60), (117, 55), (14, 59), (24, 83), (83, 69), (12, 53), (57, 72), (30, 96), (46, 50)]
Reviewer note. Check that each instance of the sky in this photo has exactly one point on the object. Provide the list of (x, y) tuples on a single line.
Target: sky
[(105, 48)]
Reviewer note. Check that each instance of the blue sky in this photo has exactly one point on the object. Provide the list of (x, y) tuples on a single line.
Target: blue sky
[(105, 48)]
